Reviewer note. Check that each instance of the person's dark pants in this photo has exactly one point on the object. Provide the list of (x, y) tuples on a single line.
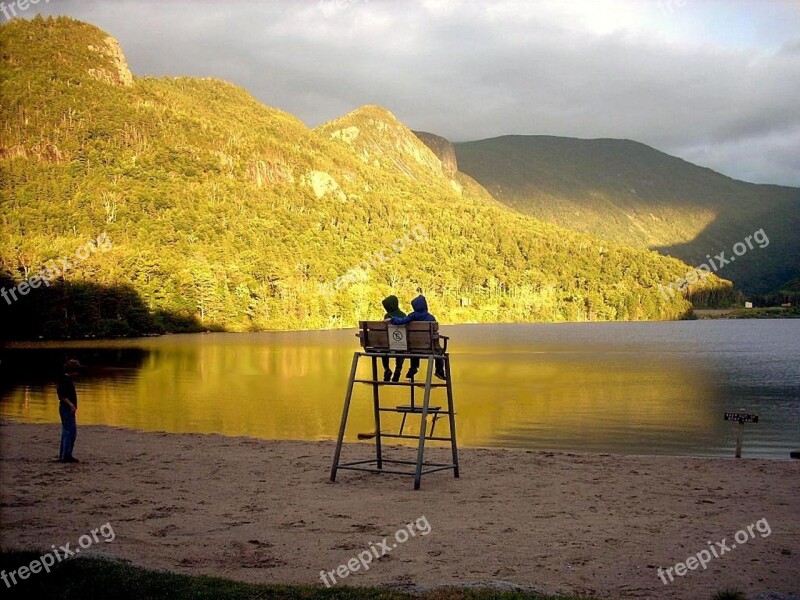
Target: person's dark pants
[(69, 431), (438, 366), (398, 364)]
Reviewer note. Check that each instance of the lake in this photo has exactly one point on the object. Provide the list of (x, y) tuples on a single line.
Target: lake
[(631, 388)]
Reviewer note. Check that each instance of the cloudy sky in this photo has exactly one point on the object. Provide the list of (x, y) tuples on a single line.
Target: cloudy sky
[(714, 82)]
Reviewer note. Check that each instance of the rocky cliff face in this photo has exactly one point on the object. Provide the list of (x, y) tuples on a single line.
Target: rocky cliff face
[(379, 139), (442, 148), (117, 72)]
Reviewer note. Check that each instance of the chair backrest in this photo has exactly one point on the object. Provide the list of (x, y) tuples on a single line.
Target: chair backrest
[(423, 336)]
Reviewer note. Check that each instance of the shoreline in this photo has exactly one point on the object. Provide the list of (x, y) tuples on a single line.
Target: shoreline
[(9, 420), (737, 313), (264, 511), (721, 314)]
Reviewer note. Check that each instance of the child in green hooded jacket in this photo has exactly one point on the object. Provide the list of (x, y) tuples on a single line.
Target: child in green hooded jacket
[(392, 306)]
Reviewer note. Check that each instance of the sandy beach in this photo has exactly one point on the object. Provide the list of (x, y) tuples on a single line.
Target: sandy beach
[(264, 511)]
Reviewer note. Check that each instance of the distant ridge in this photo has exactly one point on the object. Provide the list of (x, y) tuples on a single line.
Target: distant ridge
[(630, 193)]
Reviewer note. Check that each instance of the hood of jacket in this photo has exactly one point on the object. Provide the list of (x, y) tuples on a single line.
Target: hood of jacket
[(419, 304), (392, 306)]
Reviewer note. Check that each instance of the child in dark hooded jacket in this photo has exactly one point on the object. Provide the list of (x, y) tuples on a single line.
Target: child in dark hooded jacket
[(392, 306), (420, 306)]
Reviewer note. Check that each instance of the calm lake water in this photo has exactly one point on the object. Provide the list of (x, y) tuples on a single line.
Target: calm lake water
[(632, 388)]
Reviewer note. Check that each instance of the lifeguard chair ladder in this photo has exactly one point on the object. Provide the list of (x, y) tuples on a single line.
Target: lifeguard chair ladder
[(421, 340)]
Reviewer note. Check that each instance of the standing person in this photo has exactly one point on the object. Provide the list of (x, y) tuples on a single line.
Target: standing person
[(392, 306), (67, 407), (420, 306)]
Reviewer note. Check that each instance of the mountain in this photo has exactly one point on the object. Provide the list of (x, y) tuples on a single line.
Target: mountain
[(630, 193), (788, 293), (176, 203), (442, 148)]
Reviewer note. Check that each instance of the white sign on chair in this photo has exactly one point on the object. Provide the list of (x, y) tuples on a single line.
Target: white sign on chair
[(397, 338)]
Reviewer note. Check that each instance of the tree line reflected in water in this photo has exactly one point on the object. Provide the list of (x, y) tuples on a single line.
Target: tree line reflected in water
[(542, 394)]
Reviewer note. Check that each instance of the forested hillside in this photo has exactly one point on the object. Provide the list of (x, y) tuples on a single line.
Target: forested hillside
[(630, 193), (222, 212)]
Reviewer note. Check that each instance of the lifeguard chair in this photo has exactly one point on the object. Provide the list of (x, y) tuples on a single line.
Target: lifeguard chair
[(421, 340)]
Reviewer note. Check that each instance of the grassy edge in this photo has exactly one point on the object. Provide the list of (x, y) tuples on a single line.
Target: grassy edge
[(92, 577), (769, 312)]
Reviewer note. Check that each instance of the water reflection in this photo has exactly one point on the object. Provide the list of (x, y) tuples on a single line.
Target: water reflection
[(650, 388)]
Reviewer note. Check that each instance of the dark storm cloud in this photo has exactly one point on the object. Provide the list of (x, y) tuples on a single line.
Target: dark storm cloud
[(468, 70)]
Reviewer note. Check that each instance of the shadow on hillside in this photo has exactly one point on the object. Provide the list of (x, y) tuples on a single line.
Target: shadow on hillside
[(79, 310), (628, 192), (757, 270)]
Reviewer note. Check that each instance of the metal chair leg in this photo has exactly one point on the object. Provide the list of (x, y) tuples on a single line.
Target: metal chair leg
[(452, 416), (343, 424), (376, 401), (423, 426)]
